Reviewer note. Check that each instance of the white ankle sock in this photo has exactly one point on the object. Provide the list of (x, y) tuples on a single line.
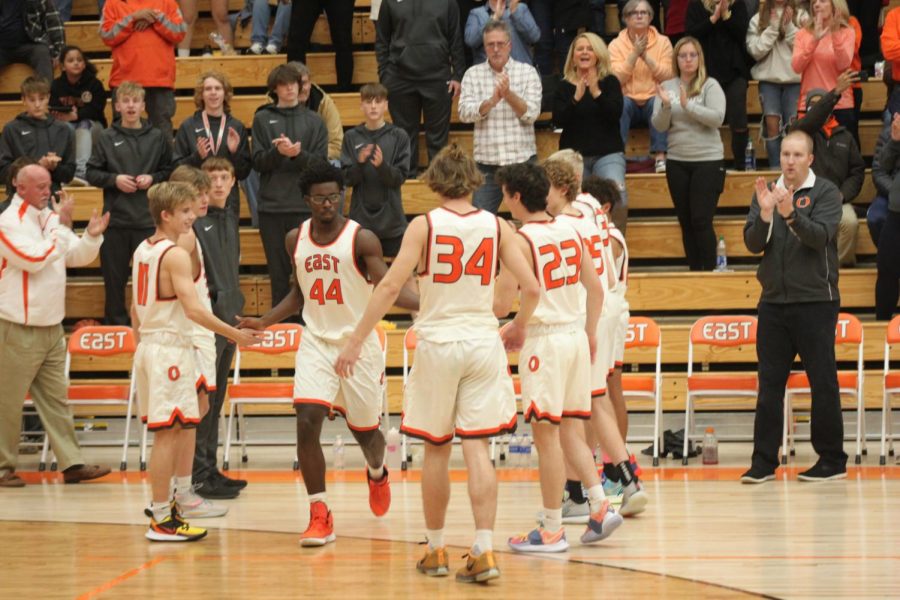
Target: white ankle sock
[(182, 485), (596, 497), (435, 538), (484, 542), (160, 510), (376, 473), (552, 519), (320, 497)]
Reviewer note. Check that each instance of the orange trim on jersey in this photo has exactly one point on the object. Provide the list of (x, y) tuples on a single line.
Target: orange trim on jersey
[(202, 384), (177, 415), (576, 414), (25, 294), (534, 256), (331, 243), (459, 214), (498, 430), (532, 413), (316, 401), (618, 363), (497, 248), (422, 435), (297, 244), (427, 268), (600, 392), (158, 271), (2, 268), (22, 255), (22, 210), (353, 256)]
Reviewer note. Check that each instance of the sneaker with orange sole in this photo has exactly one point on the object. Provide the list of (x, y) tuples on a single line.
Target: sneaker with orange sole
[(321, 526), (479, 569), (435, 563), (379, 493), (540, 540)]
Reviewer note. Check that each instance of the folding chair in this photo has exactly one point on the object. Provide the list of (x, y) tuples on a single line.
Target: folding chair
[(891, 387), (106, 347), (718, 333), (643, 332), (848, 332), (279, 346)]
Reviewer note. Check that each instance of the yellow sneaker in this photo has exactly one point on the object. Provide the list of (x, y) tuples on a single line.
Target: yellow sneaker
[(435, 563), (479, 569)]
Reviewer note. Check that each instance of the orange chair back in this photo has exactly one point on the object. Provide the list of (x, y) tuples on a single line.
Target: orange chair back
[(102, 340)]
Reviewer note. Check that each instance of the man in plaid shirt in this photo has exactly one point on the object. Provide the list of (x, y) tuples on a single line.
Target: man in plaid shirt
[(31, 33), (503, 98)]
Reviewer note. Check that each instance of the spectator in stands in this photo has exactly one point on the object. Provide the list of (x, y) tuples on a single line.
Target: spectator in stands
[(31, 32), (838, 159), (655, 7), (883, 178), (260, 38), (142, 36), (37, 135), (315, 99), (522, 29), (691, 108), (641, 58), (127, 158), (503, 98), (375, 160), (213, 131), (305, 13), (587, 105), (285, 135), (887, 282), (78, 98), (559, 22), (423, 82), (36, 246), (219, 9), (676, 10), (770, 40), (868, 13), (721, 27), (823, 50), (794, 224)]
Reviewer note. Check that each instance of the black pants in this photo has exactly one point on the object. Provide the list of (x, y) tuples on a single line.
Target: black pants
[(410, 100), (868, 14), (208, 431), (304, 14), (736, 118), (272, 229), (695, 188), (119, 243), (784, 331), (35, 55), (887, 283)]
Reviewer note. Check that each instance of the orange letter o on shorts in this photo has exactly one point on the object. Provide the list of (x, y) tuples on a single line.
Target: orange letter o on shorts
[(174, 373), (534, 363)]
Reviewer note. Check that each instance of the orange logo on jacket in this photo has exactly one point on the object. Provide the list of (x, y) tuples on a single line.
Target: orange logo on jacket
[(802, 202)]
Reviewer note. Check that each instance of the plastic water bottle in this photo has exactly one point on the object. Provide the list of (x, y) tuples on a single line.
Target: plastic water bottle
[(338, 450), (750, 157), (393, 450), (721, 255), (216, 38), (710, 447), (526, 448)]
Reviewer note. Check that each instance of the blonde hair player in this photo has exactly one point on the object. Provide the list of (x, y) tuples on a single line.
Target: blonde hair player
[(460, 383)]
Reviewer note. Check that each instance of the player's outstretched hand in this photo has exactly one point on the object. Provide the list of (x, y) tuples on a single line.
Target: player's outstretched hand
[(343, 366), (513, 336), (250, 323), (248, 337)]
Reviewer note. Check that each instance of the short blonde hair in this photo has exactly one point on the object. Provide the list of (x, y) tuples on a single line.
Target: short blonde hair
[(131, 90), (453, 173), (562, 175), (600, 51), (169, 196), (192, 175), (221, 78), (572, 157)]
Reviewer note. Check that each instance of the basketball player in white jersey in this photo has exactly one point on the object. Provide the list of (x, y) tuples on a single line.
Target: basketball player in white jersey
[(164, 305), (554, 364), (460, 383), (335, 264)]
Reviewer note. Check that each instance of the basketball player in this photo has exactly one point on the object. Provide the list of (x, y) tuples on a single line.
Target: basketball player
[(335, 263), (556, 359), (460, 383), (164, 303)]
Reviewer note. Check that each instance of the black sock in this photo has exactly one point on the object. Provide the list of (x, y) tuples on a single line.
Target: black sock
[(576, 493), (626, 475), (611, 472)]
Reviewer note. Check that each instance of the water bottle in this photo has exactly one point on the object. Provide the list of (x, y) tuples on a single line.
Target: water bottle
[(527, 446), (721, 255), (710, 447), (338, 450), (750, 157), (514, 451), (393, 450), (216, 38)]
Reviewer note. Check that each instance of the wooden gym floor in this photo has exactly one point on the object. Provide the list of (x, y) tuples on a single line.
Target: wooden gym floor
[(703, 536)]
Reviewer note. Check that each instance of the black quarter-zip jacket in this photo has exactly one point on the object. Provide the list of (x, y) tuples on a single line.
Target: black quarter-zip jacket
[(34, 138), (217, 233)]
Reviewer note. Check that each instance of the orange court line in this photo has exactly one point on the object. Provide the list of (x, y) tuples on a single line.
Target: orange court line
[(123, 577), (699, 473)]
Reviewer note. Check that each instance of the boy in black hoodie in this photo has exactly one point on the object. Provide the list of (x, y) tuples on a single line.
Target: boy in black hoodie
[(35, 134), (126, 160)]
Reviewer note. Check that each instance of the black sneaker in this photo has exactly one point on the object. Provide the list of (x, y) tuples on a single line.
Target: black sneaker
[(823, 471), (212, 489), (227, 481), (757, 475)]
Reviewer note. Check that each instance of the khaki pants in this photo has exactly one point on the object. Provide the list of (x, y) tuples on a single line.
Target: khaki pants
[(846, 241), (33, 358)]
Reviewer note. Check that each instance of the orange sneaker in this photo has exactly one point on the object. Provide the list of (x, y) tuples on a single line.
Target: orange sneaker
[(479, 569), (435, 563), (321, 526), (379, 493)]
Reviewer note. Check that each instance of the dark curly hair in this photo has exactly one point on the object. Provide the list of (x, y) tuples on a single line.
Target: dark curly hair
[(527, 179), (603, 190), (318, 170)]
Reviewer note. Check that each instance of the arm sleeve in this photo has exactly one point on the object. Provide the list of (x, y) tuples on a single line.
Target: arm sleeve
[(611, 101), (469, 104), (737, 24), (532, 97), (822, 223), (82, 250), (116, 25), (563, 104), (804, 46), (880, 176), (889, 155), (843, 40), (756, 231), (54, 27), (170, 26), (98, 174), (696, 21), (7, 155), (474, 25), (525, 24), (351, 167), (711, 112), (663, 68), (65, 170), (662, 115), (265, 157), (856, 174), (890, 36), (618, 59), (816, 117), (185, 152), (28, 254), (392, 173), (241, 158), (164, 167), (760, 43)]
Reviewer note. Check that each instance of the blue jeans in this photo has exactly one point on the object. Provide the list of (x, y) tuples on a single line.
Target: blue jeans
[(779, 100), (261, 14), (489, 196), (611, 166), (635, 114), (64, 8)]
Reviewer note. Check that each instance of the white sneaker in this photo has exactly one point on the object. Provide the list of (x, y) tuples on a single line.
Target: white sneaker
[(192, 506), (256, 48), (634, 500), (271, 49), (572, 512)]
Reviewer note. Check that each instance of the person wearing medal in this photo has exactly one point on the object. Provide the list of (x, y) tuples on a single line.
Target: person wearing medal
[(213, 131)]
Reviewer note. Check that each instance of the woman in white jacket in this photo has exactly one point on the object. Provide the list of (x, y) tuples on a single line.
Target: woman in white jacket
[(770, 41)]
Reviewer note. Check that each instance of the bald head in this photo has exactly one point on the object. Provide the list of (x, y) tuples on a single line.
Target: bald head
[(33, 185), (796, 157)]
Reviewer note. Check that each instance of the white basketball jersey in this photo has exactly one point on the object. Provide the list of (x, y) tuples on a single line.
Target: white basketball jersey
[(591, 243), (202, 287), (456, 287), (156, 314), (335, 292), (588, 205), (556, 249), (621, 262)]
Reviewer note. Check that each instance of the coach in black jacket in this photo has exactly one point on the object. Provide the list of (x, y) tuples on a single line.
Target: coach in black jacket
[(794, 224)]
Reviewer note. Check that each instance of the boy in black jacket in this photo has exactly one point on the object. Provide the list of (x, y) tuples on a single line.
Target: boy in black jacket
[(35, 134), (375, 159), (126, 160)]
